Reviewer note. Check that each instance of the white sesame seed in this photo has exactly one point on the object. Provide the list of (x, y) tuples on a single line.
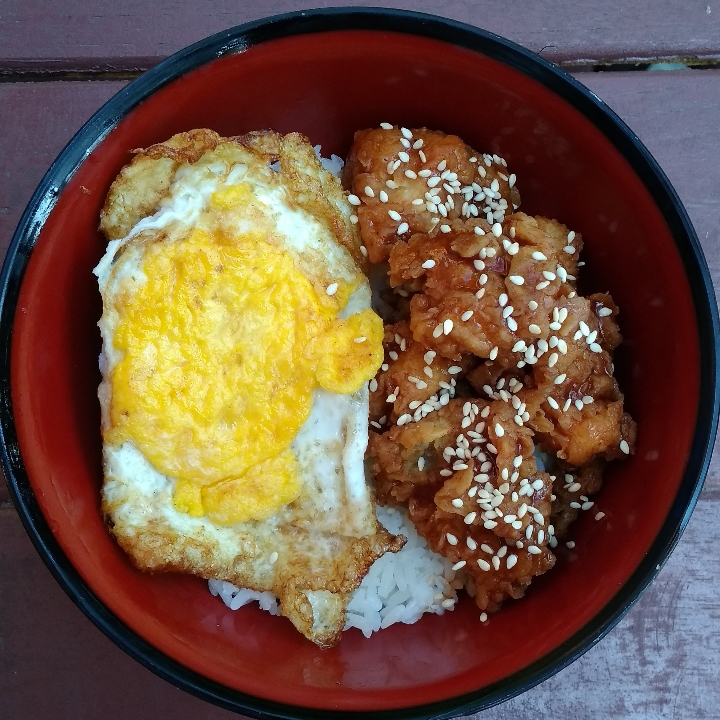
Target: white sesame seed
[(600, 516), (403, 156), (447, 326), (332, 288), (445, 228), (570, 544), (571, 236), (483, 565), (512, 325), (457, 502), (517, 279), (497, 229), (411, 174), (604, 312), (466, 315), (433, 181), (534, 329), (469, 518), (403, 228), (459, 564), (454, 369), (553, 403), (595, 347), (428, 264), (406, 133), (386, 126), (393, 355), (499, 430), (537, 255), (359, 340), (354, 200), (569, 249), (394, 215), (405, 143), (511, 561), (489, 525), (625, 447), (369, 191), (542, 285)]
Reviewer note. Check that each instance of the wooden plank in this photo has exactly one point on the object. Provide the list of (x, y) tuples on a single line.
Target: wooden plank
[(660, 662), (54, 663), (129, 34), (36, 121)]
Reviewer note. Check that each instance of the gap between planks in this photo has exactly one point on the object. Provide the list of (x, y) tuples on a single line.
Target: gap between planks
[(58, 72)]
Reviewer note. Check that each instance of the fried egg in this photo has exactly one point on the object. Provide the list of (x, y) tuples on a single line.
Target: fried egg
[(238, 341)]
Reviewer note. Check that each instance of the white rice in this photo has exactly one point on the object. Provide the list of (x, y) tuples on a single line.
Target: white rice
[(334, 164), (400, 587)]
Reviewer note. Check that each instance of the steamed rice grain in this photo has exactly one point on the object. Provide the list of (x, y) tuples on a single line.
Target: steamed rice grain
[(399, 587)]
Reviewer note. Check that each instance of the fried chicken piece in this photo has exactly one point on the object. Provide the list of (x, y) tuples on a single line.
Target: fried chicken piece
[(410, 181), (468, 476), (496, 292), (413, 380), (576, 407), (498, 569)]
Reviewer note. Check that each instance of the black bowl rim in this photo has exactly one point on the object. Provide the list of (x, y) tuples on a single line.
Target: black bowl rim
[(413, 23)]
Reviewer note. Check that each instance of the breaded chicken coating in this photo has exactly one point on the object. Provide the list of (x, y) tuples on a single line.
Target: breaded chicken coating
[(469, 478), (496, 355), (407, 182)]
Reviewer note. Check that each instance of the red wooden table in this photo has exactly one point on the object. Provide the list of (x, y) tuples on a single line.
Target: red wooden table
[(60, 61)]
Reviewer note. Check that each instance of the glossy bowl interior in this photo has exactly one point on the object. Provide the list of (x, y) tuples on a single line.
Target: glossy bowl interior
[(574, 161)]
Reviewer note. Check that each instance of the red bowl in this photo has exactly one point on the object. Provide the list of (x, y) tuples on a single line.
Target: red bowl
[(326, 74)]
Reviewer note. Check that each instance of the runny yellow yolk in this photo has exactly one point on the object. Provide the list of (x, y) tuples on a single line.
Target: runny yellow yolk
[(223, 346)]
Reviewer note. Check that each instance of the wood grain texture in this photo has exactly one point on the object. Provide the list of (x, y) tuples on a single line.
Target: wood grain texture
[(660, 662), (134, 34)]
